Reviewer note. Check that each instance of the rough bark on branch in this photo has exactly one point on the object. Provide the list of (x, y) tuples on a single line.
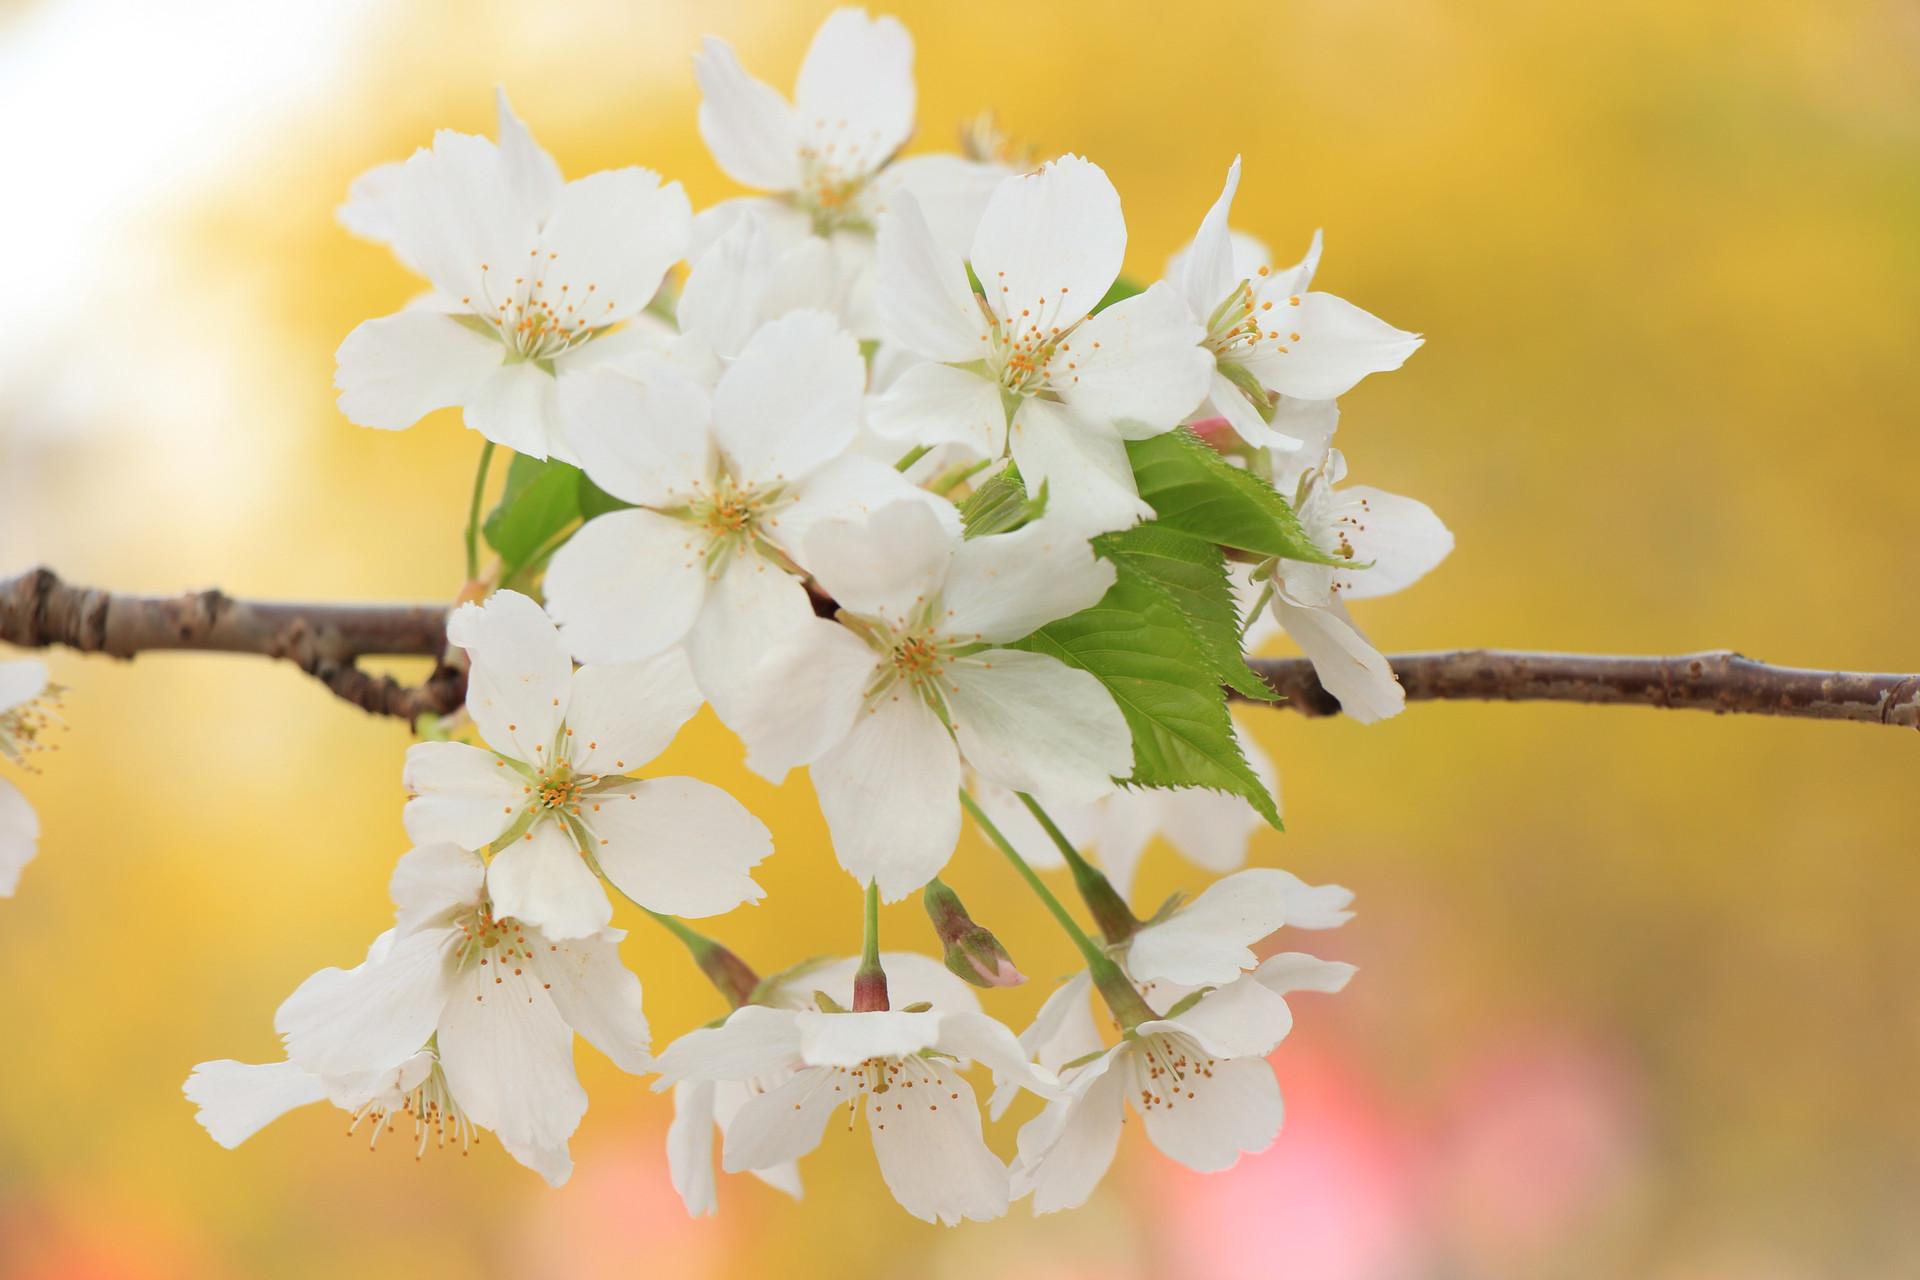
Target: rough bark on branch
[(37, 609)]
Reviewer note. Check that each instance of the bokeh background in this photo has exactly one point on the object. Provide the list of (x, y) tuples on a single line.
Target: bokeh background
[(1639, 992)]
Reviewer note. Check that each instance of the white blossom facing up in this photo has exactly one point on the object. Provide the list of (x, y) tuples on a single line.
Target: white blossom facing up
[(460, 1018), (1025, 367), (886, 703), (530, 275), (702, 1106), (1268, 333), (551, 786), (902, 1068), (27, 703)]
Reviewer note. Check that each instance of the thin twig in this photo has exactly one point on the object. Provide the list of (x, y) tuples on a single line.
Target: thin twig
[(37, 609)]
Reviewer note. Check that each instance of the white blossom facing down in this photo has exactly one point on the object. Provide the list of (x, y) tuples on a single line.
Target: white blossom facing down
[(530, 275), (1209, 941), (27, 700), (902, 1068), (1025, 368), (551, 788), (460, 1017)]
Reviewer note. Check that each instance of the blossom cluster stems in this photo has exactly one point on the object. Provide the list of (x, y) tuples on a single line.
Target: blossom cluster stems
[(1110, 910), (473, 510), (731, 976), (1128, 1008), (870, 979)]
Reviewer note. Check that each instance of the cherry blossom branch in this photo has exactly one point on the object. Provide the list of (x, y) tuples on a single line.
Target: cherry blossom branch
[(1716, 680), (38, 609)]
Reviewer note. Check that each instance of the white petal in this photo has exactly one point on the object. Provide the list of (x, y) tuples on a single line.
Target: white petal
[(459, 794), (508, 1058), (19, 836), (541, 879), (753, 610), (1401, 538), (849, 1039), (238, 1099), (621, 715), (758, 270), (460, 218), (1211, 828), (1127, 822), (433, 880), (371, 210), (1243, 1019), (553, 1162), (978, 1038), (1049, 244), (520, 675), (369, 1017), (1139, 365), (1297, 971), (529, 168), (952, 193), (1014, 821), (884, 565), (1351, 669), (1083, 465), (933, 404), (1032, 723), (747, 125), (1204, 274), (626, 585), (599, 997), (678, 845), (1068, 1148), (890, 793), (797, 703), (781, 1124), (931, 1154), (1312, 422), (791, 401), (1210, 940), (690, 1147), (21, 682), (608, 244), (518, 405), (1004, 587), (926, 304), (754, 1041), (1339, 344), (1235, 1109), (853, 101), (853, 486), (1231, 403), (394, 371), (643, 437)]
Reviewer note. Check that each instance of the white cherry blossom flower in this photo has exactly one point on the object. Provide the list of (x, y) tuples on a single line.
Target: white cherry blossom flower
[(1209, 941), (1197, 1076), (550, 789), (726, 484), (26, 714), (1393, 542), (460, 1016), (903, 1068), (1025, 367), (886, 703), (1268, 333), (701, 1106), (530, 275)]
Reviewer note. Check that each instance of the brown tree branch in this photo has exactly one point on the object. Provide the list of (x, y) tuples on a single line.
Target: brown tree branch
[(37, 609)]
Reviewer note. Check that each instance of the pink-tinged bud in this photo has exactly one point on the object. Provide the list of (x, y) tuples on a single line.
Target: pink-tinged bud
[(972, 952), (1217, 433)]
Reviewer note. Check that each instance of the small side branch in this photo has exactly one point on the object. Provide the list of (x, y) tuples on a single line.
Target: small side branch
[(37, 610), (1717, 680)]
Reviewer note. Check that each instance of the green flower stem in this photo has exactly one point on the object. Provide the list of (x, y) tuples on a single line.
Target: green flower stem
[(730, 975), (1115, 988), (1109, 909), (870, 979), (473, 511)]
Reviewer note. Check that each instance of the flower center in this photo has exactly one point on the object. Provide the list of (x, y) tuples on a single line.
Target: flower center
[(1029, 354), (430, 1105), (890, 1084), (1244, 320), (1169, 1069), (24, 729), (490, 942), (534, 321)]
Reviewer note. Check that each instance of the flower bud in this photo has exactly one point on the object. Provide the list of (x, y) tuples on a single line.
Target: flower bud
[(972, 952)]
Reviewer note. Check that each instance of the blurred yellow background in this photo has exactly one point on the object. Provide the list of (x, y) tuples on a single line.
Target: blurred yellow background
[(1639, 992)]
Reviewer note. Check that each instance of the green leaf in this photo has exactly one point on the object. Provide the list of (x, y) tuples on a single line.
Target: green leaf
[(541, 499), (1193, 489), (1001, 505), (595, 501), (1120, 291), (1193, 574), (1136, 642)]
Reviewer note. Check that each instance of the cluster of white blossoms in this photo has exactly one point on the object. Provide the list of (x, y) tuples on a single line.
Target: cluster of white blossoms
[(905, 481)]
